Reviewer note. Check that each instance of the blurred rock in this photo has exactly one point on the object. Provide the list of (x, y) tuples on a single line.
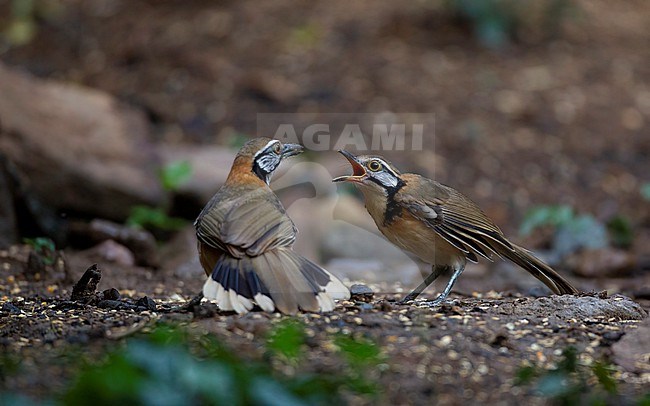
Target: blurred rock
[(210, 168), (110, 251), (361, 293), (569, 307), (632, 352), (180, 256), (583, 232), (641, 292), (8, 227), (345, 240), (76, 148), (147, 303), (140, 242), (604, 262)]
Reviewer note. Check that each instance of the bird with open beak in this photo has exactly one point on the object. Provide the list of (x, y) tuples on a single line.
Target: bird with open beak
[(438, 224)]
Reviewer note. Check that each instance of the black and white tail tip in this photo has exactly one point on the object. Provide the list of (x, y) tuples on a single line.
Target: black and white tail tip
[(280, 281)]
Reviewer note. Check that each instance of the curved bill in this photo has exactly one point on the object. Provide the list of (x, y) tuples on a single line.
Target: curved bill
[(358, 171)]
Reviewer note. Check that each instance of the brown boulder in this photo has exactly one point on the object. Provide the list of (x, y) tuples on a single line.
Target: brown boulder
[(75, 148)]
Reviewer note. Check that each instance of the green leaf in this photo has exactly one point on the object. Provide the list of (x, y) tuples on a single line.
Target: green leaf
[(170, 366), (644, 400), (175, 174), (20, 32), (305, 36), (41, 244), (44, 247), (604, 374), (145, 217), (358, 351), (526, 375), (569, 362), (287, 338), (621, 231)]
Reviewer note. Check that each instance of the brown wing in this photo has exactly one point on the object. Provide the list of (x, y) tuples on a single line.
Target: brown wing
[(249, 224), (455, 218), (462, 223)]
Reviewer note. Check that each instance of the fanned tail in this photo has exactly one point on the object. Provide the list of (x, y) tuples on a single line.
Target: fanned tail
[(278, 279)]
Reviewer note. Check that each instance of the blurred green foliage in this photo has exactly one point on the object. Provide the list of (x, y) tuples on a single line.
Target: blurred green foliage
[(570, 382), (496, 23), (171, 177), (644, 401), (305, 36), (572, 231), (22, 27), (287, 339), (163, 368), (172, 366), (44, 247), (363, 356), (154, 217), (621, 231), (9, 365), (359, 352), (175, 174)]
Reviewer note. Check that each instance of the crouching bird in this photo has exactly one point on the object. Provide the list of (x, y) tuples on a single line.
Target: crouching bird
[(437, 224), (245, 238)]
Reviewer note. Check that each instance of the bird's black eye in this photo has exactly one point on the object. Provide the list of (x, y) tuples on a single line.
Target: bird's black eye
[(277, 148), (374, 166)]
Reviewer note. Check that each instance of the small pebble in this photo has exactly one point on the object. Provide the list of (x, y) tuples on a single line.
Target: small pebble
[(10, 308), (147, 302), (361, 293)]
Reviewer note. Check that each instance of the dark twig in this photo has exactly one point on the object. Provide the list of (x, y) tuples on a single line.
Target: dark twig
[(84, 289)]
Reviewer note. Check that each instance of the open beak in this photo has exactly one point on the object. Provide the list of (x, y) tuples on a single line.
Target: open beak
[(291, 150), (358, 171)]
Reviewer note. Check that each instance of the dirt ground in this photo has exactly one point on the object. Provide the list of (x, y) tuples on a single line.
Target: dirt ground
[(470, 349), (560, 118)]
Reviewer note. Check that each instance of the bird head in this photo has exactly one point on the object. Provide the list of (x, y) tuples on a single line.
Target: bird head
[(263, 155), (371, 173)]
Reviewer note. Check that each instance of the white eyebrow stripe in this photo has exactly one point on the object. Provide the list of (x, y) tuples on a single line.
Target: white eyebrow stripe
[(265, 147), (387, 167)]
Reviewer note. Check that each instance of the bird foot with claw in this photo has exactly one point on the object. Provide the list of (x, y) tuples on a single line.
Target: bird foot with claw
[(432, 303), (406, 301)]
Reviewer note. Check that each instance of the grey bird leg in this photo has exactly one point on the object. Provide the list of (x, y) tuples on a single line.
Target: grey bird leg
[(441, 298), (436, 271)]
